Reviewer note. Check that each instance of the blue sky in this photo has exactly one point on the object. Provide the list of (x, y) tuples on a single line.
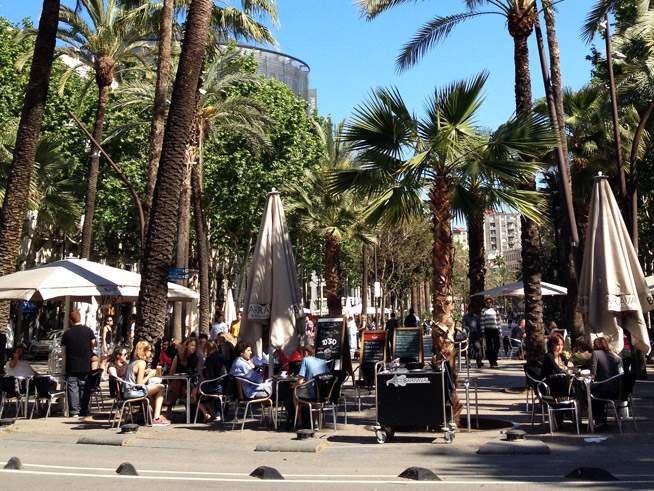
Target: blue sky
[(349, 56)]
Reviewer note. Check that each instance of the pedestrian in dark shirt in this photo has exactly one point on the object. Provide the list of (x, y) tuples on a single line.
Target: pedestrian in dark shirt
[(472, 326), (411, 320), (391, 325), (76, 345)]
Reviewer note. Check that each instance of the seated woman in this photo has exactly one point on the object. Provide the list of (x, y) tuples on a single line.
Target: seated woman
[(555, 361), (16, 366), (117, 366), (164, 360), (215, 366), (582, 353), (186, 362), (137, 373), (243, 367), (604, 364)]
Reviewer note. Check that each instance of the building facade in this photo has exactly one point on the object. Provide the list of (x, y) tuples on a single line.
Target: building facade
[(502, 238)]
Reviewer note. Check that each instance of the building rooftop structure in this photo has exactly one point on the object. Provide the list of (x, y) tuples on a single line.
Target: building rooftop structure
[(284, 68)]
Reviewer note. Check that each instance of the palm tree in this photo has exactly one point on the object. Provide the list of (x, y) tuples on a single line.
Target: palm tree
[(219, 108), (109, 44), (53, 199), (16, 197), (405, 158), (333, 216), (520, 16), (226, 20), (158, 252)]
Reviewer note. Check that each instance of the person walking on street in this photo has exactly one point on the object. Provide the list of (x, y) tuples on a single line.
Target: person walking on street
[(411, 320), (472, 325), (218, 328), (76, 345), (391, 325), (491, 325)]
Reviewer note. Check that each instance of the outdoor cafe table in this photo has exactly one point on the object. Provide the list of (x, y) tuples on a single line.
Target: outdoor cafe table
[(584, 381), (277, 381), (187, 378)]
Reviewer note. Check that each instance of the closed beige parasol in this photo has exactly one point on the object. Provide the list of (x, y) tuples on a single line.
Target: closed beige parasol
[(273, 294), (613, 293)]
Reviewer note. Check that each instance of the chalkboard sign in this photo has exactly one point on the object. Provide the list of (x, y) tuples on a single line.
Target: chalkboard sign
[(407, 344), (330, 340), (373, 348)]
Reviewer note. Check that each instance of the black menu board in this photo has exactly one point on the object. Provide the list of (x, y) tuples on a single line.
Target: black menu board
[(373, 348), (407, 344), (330, 340)]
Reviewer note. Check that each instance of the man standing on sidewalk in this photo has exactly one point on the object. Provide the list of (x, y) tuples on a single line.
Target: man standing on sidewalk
[(473, 327), (76, 345), (491, 325)]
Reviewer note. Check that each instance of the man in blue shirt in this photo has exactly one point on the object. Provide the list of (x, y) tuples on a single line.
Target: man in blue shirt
[(311, 367)]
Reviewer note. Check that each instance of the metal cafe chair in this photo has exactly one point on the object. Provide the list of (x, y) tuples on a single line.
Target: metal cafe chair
[(325, 385), (11, 391), (242, 401), (45, 388), (557, 401), (623, 402), (208, 390), (119, 386)]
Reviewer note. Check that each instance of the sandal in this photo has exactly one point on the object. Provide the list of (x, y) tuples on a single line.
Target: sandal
[(207, 418)]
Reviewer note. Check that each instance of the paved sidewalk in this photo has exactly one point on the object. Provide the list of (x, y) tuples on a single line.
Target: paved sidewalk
[(501, 397)]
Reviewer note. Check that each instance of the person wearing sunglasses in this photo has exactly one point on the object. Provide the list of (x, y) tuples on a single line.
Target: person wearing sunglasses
[(118, 362), (138, 373)]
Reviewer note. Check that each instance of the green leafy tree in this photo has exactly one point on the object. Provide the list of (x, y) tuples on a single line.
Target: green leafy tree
[(333, 216), (109, 44)]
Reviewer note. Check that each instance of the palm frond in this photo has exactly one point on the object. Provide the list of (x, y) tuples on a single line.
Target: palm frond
[(427, 36)]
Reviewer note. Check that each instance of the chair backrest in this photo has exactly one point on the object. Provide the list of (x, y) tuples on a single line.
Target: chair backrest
[(341, 378), (114, 389), (324, 384), (95, 378), (367, 374), (8, 386), (43, 385), (560, 385), (294, 367), (238, 384), (533, 369), (627, 383)]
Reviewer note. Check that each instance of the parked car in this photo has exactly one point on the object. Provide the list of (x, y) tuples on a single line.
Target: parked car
[(44, 346)]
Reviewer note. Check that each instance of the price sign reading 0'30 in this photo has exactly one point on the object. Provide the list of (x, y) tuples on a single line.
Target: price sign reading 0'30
[(330, 336)]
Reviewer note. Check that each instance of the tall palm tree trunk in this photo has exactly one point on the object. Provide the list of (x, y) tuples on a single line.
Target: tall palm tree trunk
[(159, 108), (520, 25), (442, 333), (574, 318), (332, 274), (476, 261), (182, 244), (160, 239), (203, 252), (364, 281), (439, 200), (14, 206), (92, 178)]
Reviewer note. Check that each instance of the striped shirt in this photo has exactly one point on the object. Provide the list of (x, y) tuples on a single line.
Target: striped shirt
[(490, 319)]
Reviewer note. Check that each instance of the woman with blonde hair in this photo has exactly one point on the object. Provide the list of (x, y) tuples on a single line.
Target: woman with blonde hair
[(138, 373)]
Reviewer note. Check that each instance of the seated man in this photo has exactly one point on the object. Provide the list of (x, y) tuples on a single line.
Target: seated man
[(311, 367)]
